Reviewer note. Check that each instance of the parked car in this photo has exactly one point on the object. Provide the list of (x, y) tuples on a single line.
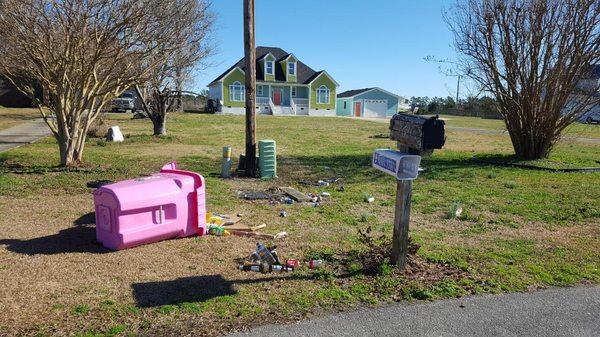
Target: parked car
[(593, 117), (124, 103)]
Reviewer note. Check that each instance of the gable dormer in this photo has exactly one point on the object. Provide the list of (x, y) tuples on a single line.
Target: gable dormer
[(289, 64), (269, 67)]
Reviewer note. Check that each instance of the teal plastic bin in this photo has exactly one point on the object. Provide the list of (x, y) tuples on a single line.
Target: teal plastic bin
[(267, 160)]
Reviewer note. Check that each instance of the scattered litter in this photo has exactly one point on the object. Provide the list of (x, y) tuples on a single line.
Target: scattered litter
[(294, 263), (326, 194), (316, 204), (381, 135), (295, 194), (265, 260), (243, 227), (288, 200), (254, 195), (369, 198), (280, 236), (283, 214), (341, 189), (323, 183), (314, 264), (239, 215), (274, 202), (217, 230), (326, 167)]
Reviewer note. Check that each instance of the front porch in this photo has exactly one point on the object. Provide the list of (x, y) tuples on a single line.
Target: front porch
[(282, 99)]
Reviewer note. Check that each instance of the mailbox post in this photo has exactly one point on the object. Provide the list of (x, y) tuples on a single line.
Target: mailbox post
[(415, 136)]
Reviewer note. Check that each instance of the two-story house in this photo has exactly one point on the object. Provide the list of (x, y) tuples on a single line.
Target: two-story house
[(284, 86)]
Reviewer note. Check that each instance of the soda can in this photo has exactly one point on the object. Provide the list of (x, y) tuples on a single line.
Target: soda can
[(294, 263), (313, 264)]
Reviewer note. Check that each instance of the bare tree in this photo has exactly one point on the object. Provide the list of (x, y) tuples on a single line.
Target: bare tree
[(533, 56), (191, 45), (82, 54)]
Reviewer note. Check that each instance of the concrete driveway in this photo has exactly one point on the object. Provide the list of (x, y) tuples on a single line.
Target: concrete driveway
[(22, 134), (554, 312)]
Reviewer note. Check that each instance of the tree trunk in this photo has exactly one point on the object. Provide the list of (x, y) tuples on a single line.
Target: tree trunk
[(71, 150), (160, 125)]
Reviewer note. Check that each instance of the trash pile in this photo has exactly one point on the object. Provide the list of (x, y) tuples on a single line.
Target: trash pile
[(266, 260), (289, 195), (226, 225)]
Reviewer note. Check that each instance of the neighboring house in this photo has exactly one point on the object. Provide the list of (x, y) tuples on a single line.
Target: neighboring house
[(367, 102), (590, 86), (11, 97), (284, 86)]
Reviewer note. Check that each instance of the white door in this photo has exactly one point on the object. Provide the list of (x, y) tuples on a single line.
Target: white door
[(375, 108)]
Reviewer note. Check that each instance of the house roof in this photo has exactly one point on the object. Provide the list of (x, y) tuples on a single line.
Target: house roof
[(352, 93), (355, 92), (304, 73)]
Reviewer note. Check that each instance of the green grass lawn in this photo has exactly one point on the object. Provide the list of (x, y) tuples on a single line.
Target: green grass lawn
[(13, 116), (520, 229)]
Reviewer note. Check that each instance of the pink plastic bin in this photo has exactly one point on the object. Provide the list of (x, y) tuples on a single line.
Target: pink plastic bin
[(165, 205)]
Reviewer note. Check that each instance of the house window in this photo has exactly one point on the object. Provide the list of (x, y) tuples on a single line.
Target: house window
[(344, 105), (293, 91), (323, 95), (269, 68), (292, 68), (236, 92), (259, 90)]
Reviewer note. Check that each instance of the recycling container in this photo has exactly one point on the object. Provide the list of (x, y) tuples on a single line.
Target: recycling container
[(267, 160), (165, 205)]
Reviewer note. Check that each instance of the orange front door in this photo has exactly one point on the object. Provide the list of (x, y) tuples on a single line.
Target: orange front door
[(277, 97), (357, 109)]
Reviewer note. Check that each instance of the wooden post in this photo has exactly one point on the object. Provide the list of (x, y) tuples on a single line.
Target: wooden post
[(401, 218), (401, 221), (250, 55)]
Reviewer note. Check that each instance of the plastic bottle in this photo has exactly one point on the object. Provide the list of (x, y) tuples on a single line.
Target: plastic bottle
[(314, 264)]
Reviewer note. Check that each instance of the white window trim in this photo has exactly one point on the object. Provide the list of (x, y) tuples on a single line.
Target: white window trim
[(272, 68), (288, 67), (294, 91), (321, 89), (237, 86)]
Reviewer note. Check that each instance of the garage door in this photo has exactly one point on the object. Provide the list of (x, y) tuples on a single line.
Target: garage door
[(375, 108)]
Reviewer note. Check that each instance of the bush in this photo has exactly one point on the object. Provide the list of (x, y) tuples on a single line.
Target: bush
[(99, 127)]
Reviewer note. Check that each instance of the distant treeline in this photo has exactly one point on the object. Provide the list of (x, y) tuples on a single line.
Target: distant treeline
[(484, 107)]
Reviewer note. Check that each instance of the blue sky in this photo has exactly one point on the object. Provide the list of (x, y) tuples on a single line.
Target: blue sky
[(360, 43)]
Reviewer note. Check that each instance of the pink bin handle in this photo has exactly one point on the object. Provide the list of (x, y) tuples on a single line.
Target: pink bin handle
[(172, 168)]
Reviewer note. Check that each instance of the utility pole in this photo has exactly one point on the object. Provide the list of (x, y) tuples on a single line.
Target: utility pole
[(250, 55), (457, 90)]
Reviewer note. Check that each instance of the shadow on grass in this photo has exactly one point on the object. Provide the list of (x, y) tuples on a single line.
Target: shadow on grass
[(357, 168), (181, 290), (195, 289), (81, 238)]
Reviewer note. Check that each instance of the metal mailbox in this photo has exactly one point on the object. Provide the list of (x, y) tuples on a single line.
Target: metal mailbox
[(417, 132), (403, 166)]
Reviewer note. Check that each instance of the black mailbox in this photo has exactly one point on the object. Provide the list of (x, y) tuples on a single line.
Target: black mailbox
[(418, 133)]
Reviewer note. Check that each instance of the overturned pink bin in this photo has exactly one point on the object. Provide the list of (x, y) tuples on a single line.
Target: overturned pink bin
[(165, 205)]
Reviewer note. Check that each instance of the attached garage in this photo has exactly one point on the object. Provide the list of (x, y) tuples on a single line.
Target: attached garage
[(368, 102)]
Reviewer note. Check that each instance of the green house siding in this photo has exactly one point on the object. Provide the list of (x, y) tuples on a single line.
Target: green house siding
[(322, 80), (235, 75), (269, 78)]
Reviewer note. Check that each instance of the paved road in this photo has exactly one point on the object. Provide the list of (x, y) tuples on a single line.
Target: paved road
[(23, 134), (491, 131), (554, 312)]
